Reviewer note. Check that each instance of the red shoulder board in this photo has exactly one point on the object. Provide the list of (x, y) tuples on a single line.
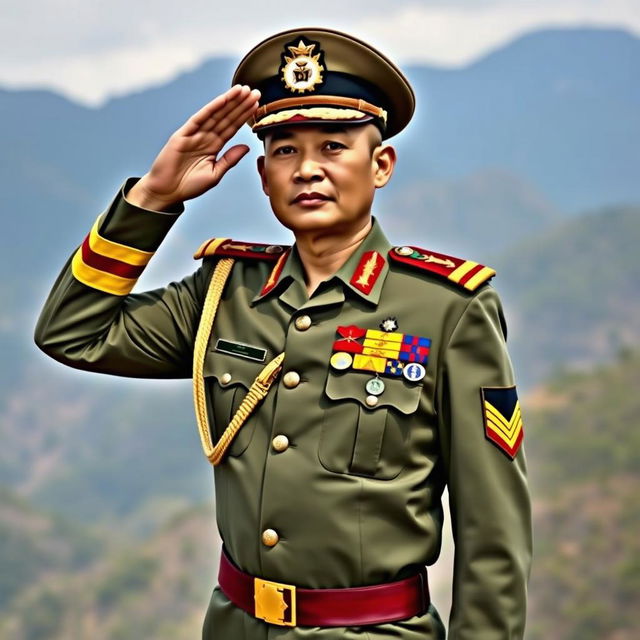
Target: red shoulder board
[(236, 249), (466, 273)]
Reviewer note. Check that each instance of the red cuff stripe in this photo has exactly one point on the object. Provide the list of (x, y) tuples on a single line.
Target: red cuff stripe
[(109, 265)]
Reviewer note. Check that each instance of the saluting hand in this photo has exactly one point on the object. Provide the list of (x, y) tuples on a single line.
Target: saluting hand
[(188, 165)]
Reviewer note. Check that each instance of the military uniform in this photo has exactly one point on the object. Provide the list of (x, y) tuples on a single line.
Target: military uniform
[(395, 383)]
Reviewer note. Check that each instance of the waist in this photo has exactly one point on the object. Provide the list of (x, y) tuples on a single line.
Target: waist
[(288, 605)]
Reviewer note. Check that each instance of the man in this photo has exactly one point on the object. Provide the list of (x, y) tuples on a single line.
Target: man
[(340, 384)]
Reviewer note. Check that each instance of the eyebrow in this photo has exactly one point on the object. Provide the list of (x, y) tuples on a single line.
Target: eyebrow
[(285, 134)]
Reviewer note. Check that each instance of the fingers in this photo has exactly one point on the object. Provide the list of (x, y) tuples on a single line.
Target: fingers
[(200, 117), (227, 125), (230, 158), (219, 108)]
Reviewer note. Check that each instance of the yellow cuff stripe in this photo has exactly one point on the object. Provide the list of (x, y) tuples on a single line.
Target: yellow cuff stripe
[(101, 280), (117, 251)]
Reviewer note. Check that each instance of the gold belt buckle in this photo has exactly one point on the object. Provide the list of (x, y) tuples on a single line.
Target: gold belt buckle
[(275, 602)]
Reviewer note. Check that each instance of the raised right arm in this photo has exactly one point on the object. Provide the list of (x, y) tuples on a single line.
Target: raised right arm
[(91, 320)]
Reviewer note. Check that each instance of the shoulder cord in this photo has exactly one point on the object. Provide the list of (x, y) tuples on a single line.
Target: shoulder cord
[(258, 389)]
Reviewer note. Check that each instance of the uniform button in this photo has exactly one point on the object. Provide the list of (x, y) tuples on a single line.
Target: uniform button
[(371, 401), (291, 379), (280, 443), (269, 537), (225, 378), (302, 323)]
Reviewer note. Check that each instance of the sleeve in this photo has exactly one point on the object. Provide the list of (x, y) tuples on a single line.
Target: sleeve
[(90, 319), (481, 433)]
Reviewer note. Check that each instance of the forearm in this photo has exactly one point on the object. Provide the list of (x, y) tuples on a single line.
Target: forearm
[(91, 320)]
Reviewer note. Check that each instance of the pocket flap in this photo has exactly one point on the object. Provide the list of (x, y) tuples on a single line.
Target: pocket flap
[(231, 370), (398, 393)]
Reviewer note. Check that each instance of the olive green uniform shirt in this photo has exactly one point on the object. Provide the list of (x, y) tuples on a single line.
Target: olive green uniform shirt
[(356, 496)]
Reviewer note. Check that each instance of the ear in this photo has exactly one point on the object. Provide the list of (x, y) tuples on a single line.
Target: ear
[(384, 161), (263, 175)]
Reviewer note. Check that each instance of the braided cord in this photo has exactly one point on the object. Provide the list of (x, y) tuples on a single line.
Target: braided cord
[(212, 299), (258, 390)]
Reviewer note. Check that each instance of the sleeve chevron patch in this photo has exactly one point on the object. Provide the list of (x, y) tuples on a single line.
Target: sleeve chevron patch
[(502, 418)]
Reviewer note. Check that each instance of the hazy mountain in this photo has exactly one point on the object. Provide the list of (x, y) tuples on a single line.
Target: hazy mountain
[(573, 292), (557, 106)]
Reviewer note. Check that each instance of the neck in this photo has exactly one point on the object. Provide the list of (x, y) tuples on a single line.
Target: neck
[(323, 253)]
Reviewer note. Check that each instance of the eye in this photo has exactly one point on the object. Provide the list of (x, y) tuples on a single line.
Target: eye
[(334, 145), (284, 150)]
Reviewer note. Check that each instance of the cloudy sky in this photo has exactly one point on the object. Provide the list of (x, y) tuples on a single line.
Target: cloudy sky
[(92, 49)]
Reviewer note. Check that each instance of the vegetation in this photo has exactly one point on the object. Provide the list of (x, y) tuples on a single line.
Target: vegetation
[(583, 443)]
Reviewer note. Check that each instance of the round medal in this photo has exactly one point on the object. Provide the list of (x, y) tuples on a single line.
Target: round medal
[(375, 386), (414, 372), (341, 360)]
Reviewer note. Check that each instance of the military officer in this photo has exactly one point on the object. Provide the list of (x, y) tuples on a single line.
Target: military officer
[(340, 384)]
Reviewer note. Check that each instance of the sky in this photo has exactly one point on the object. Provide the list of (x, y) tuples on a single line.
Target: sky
[(90, 50)]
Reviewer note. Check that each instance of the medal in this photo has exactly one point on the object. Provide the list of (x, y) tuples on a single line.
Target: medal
[(414, 372), (341, 360), (374, 386)]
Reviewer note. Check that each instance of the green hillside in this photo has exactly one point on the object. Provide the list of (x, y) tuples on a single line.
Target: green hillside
[(583, 444), (573, 293), (157, 590), (102, 451), (34, 544)]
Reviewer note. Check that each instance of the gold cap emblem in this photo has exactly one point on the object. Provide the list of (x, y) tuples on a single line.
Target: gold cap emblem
[(302, 70)]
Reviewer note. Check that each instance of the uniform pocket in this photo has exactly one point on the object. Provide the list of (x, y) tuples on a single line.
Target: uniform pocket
[(227, 380), (362, 440)]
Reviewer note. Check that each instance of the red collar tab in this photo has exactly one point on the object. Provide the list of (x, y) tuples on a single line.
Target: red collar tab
[(274, 276), (466, 273), (367, 272), (236, 249)]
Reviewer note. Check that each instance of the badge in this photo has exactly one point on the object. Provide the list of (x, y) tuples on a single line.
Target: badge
[(502, 418), (241, 349), (414, 372), (302, 70), (374, 387), (389, 324), (341, 360)]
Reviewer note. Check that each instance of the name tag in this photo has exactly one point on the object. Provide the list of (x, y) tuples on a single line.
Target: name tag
[(241, 349)]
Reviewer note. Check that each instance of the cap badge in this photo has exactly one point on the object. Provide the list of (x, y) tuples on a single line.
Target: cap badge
[(302, 70)]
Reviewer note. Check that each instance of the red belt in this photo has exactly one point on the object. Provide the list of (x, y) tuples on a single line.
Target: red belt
[(288, 605)]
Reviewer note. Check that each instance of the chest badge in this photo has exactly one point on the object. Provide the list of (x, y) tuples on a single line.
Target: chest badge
[(389, 324)]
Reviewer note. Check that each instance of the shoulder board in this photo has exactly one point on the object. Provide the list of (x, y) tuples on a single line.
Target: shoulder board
[(465, 273), (229, 248)]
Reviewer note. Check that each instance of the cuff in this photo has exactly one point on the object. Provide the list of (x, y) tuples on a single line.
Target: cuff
[(120, 244)]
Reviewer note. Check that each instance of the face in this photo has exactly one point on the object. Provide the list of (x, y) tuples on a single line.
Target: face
[(322, 178)]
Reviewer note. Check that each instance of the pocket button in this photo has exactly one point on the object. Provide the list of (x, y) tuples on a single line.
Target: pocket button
[(291, 379), (280, 443)]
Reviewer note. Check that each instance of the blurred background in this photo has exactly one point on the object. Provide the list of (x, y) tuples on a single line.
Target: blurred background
[(524, 154)]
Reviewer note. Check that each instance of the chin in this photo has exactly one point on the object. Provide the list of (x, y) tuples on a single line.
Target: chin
[(310, 220)]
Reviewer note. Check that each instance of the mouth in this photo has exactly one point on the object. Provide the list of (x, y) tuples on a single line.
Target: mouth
[(312, 198)]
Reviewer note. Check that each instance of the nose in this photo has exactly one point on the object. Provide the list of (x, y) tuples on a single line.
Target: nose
[(309, 170)]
